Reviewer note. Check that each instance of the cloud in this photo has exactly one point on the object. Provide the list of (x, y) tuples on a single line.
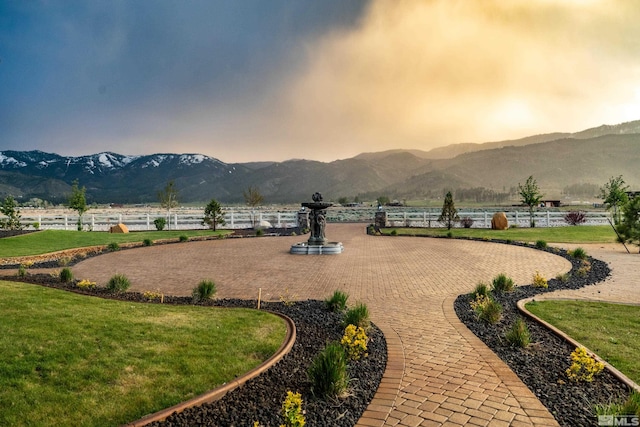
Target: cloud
[(424, 74), (322, 80)]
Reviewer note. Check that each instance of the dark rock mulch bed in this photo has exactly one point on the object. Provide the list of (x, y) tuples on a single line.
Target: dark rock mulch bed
[(11, 233), (542, 365), (260, 399)]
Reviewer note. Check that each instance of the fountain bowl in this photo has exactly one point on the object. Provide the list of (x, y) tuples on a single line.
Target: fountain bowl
[(304, 248)]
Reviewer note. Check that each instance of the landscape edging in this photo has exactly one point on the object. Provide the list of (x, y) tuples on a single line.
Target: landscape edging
[(616, 373), (219, 392)]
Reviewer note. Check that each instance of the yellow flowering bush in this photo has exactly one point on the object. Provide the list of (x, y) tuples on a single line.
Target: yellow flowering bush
[(153, 295), (86, 284), (584, 366), (354, 342), (539, 281), (487, 309), (292, 410)]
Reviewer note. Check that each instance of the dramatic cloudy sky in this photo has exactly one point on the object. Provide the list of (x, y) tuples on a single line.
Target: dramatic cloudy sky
[(245, 80)]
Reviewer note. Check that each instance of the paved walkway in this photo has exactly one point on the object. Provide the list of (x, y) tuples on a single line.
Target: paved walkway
[(438, 372)]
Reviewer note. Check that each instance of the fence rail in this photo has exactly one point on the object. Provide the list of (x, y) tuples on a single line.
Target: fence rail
[(482, 219), (189, 219)]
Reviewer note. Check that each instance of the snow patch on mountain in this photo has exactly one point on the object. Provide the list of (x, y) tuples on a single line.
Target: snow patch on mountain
[(11, 161)]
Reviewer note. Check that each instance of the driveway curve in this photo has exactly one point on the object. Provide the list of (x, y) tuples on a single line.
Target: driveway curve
[(438, 373)]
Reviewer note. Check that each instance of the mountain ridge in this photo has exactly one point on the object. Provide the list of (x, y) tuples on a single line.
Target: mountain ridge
[(556, 160)]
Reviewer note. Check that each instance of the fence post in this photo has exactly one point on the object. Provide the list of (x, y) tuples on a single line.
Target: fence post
[(175, 221), (231, 221), (93, 222), (548, 219), (148, 221), (65, 222), (516, 220), (279, 220)]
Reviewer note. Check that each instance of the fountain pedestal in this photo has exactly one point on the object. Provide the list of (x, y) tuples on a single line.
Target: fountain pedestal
[(317, 243)]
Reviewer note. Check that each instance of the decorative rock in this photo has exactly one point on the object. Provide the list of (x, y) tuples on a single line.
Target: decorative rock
[(120, 228), (499, 221)]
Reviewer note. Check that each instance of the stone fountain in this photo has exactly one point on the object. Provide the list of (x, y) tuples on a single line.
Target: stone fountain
[(317, 243)]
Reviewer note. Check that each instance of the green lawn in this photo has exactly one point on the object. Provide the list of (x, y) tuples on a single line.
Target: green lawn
[(72, 360), (579, 234), (610, 330), (43, 242)]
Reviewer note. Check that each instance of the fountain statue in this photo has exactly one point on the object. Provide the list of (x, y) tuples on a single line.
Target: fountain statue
[(317, 243)]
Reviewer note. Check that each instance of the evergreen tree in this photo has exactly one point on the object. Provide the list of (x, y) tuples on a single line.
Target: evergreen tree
[(10, 209), (449, 213), (530, 196), (213, 214)]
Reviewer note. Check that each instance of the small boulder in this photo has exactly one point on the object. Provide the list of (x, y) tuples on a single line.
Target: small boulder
[(120, 228), (499, 221)]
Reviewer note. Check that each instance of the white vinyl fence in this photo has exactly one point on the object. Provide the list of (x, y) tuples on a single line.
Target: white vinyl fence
[(238, 218), (482, 219)]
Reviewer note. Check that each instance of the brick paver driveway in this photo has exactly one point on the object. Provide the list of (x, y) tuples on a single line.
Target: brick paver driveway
[(438, 372)]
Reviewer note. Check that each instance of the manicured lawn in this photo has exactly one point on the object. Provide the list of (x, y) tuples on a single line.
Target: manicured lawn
[(56, 240), (71, 360), (579, 234), (610, 330)]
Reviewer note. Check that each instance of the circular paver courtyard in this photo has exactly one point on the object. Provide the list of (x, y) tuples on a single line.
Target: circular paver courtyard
[(438, 372)]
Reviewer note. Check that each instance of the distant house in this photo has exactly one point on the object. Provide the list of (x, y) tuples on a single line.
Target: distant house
[(550, 204)]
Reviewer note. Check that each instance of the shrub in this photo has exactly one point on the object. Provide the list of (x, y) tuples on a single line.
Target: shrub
[(337, 302), (160, 223), (578, 253), (36, 225), (153, 295), (358, 316), (575, 217), (502, 283), (584, 366), (480, 289), (66, 275), (259, 232), (539, 281), (354, 342), (584, 269), (147, 242), (113, 246), (287, 298), (449, 234), (86, 284), (487, 309), (183, 238), (328, 372), (394, 232), (466, 222), (22, 271), (292, 410), (541, 244), (205, 290), (563, 277), (518, 335), (64, 261), (118, 283)]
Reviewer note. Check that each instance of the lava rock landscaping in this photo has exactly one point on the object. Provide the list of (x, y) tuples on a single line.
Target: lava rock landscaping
[(541, 366)]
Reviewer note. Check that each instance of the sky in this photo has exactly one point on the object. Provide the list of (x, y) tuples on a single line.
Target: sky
[(255, 80)]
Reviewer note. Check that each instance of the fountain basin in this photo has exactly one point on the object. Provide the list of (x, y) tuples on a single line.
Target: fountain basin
[(304, 248)]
